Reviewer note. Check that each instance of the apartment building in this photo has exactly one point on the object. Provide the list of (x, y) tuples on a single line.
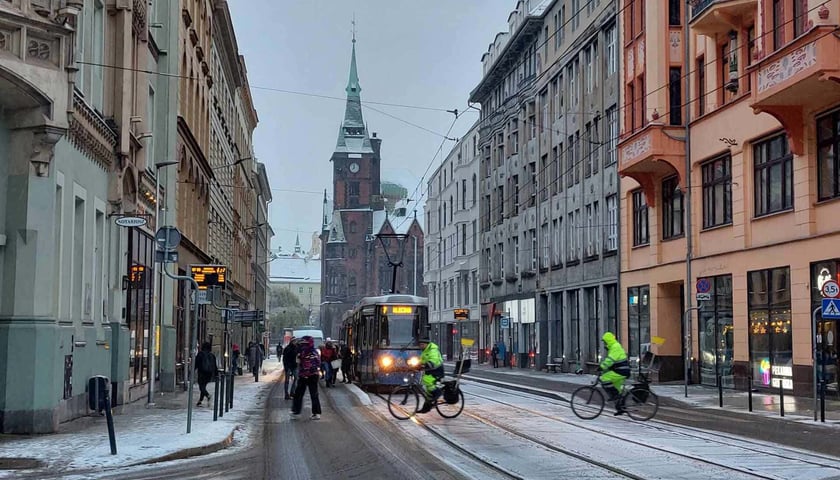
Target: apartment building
[(548, 182), (747, 209), (452, 254)]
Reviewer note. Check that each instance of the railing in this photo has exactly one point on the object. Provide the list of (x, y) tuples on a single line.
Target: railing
[(698, 6)]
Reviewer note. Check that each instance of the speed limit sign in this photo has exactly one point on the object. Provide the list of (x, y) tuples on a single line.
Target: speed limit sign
[(830, 289)]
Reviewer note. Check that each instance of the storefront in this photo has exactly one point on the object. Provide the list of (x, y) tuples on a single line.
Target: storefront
[(638, 318), (771, 334), (139, 295), (827, 330)]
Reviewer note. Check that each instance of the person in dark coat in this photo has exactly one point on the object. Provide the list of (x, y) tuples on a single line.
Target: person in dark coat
[(495, 354), (206, 367), (290, 367), (346, 364), (255, 359)]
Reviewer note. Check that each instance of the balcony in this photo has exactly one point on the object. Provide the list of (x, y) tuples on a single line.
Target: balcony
[(651, 154), (709, 17), (797, 80)]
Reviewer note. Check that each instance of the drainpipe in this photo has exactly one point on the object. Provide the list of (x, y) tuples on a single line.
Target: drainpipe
[(687, 197)]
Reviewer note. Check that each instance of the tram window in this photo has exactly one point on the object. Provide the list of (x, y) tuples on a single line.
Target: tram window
[(383, 331)]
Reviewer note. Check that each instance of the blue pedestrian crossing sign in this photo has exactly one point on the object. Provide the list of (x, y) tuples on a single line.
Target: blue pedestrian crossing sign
[(831, 308), (505, 322)]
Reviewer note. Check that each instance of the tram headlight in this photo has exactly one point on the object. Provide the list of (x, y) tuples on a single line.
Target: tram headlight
[(414, 362), (386, 361)]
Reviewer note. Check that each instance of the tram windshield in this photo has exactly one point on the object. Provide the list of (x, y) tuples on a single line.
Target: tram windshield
[(399, 325)]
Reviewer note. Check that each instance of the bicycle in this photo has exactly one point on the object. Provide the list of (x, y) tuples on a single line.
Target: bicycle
[(404, 400), (638, 400)]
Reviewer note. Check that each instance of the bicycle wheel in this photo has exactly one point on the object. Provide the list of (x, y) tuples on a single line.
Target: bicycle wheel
[(641, 404), (587, 402), (403, 402), (450, 410)]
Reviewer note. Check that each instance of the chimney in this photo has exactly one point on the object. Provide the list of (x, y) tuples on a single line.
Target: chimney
[(375, 143)]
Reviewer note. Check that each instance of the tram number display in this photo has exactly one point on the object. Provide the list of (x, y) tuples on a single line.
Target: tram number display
[(209, 275), (399, 309)]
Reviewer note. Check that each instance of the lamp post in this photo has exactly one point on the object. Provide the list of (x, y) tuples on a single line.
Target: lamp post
[(156, 288)]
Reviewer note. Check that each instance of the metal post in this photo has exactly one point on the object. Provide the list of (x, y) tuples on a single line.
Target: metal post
[(150, 399), (720, 391), (749, 391), (221, 399), (781, 397), (215, 398), (816, 311), (109, 418), (187, 358), (687, 347), (822, 400), (688, 209), (230, 391), (415, 264)]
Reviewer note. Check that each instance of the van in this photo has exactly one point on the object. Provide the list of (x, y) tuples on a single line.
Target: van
[(317, 335)]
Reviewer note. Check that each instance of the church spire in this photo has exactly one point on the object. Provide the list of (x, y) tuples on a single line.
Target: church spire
[(353, 135)]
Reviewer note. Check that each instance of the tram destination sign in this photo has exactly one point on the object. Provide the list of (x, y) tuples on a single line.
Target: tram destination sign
[(209, 276)]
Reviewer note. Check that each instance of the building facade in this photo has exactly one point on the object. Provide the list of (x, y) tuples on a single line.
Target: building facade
[(354, 260), (548, 183), (753, 191), (299, 272), (452, 253)]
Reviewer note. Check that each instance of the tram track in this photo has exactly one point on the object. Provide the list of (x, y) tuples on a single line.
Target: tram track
[(674, 429), (760, 449)]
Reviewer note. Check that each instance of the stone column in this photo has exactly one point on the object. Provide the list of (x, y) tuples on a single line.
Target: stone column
[(31, 374)]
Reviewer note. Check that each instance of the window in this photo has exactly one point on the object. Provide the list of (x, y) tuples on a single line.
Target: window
[(717, 192), (640, 219), (573, 304), (595, 147), (717, 333), (594, 331), (771, 333), (778, 24), (474, 189), (464, 194), (576, 14), (572, 254), (675, 96), (464, 239), (515, 195), (611, 309), (474, 235), (612, 223), (587, 156), (773, 176), (672, 209), (800, 17), (674, 15), (557, 241), (570, 162), (701, 86), (828, 156), (638, 319), (590, 231), (590, 66), (546, 246), (612, 54), (631, 101), (533, 234), (612, 135), (516, 255)]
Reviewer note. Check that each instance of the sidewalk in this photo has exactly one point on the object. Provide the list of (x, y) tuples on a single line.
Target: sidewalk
[(797, 409), (144, 435)]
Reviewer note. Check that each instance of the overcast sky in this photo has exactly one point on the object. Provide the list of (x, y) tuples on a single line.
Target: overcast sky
[(425, 53)]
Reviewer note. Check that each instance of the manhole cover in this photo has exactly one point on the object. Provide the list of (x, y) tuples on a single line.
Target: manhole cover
[(19, 463)]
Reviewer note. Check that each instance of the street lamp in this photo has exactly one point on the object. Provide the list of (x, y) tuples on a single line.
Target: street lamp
[(237, 162), (157, 288)]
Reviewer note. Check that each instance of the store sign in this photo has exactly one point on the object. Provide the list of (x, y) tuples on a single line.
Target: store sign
[(775, 375), (130, 221)]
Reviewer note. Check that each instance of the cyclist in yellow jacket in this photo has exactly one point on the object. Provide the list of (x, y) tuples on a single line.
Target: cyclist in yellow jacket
[(615, 368), (432, 363)]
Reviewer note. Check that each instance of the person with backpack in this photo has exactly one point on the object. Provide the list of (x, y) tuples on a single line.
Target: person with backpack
[(309, 371), (206, 367)]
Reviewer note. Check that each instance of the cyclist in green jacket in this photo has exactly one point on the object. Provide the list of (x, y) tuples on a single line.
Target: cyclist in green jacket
[(616, 369), (432, 363)]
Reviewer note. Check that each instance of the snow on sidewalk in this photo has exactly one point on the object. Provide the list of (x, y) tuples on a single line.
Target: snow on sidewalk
[(148, 435)]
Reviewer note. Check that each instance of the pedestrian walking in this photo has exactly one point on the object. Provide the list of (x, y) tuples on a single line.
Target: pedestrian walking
[(235, 368), (290, 367), (309, 363), (329, 354), (206, 367), (495, 353), (255, 358), (346, 364)]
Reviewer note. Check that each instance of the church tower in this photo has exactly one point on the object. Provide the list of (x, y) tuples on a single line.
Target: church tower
[(346, 239)]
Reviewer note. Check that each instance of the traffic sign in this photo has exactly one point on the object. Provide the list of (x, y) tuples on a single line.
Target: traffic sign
[(704, 288), (166, 257), (831, 308), (831, 289), (505, 322), (168, 238)]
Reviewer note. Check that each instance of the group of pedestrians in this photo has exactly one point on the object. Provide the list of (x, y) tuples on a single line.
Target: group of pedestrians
[(304, 365)]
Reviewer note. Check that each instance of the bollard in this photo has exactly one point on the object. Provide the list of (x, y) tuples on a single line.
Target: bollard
[(109, 418), (216, 398), (230, 394), (749, 391), (222, 398), (822, 401), (781, 398), (720, 391)]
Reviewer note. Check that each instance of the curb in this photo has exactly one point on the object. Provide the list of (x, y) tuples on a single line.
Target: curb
[(191, 452), (361, 396)]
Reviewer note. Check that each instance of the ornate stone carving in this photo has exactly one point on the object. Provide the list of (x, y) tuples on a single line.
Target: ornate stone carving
[(43, 148), (138, 20), (5, 40), (91, 135), (636, 149), (787, 66)]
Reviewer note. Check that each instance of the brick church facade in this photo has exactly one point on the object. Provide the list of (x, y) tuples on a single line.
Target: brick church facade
[(354, 261)]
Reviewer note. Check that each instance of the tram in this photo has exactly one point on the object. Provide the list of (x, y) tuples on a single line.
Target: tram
[(383, 333)]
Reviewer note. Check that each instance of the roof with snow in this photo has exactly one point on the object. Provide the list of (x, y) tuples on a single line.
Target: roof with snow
[(295, 268)]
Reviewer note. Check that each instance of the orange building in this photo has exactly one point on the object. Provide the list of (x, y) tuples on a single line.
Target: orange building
[(754, 187)]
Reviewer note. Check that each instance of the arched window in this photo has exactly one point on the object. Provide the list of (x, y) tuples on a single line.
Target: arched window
[(352, 227)]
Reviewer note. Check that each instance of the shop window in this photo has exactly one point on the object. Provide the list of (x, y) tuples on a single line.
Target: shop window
[(573, 304), (594, 333), (773, 176), (828, 159), (638, 319), (771, 337), (717, 192), (611, 309), (716, 333)]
